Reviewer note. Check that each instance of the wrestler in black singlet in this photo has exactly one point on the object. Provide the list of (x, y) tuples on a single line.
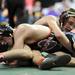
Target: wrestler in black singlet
[(52, 45)]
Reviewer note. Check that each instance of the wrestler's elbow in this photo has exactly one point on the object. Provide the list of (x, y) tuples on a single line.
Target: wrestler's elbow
[(60, 36)]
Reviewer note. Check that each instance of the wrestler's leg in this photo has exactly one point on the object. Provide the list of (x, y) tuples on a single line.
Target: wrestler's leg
[(72, 62), (25, 53), (18, 53), (26, 33), (42, 62), (35, 32), (59, 53), (21, 33)]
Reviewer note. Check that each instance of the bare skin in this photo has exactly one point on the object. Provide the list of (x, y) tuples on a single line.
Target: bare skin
[(28, 36), (52, 23), (33, 33), (61, 37)]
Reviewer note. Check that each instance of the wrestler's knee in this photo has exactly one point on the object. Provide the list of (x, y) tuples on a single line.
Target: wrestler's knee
[(24, 25)]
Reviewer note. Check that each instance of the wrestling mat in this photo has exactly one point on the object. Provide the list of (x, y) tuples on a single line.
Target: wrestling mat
[(5, 70)]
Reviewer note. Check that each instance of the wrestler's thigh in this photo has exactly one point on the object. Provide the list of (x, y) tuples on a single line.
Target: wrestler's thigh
[(35, 29), (34, 32), (40, 32), (21, 30)]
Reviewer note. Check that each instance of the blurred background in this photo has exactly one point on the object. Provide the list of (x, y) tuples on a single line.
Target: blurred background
[(16, 12)]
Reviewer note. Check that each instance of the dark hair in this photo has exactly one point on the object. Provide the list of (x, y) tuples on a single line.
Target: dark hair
[(65, 16)]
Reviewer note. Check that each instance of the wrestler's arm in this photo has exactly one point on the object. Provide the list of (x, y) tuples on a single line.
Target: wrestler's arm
[(51, 21), (41, 21), (44, 20), (73, 31)]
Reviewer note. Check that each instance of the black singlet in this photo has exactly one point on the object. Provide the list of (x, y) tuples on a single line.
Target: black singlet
[(42, 44)]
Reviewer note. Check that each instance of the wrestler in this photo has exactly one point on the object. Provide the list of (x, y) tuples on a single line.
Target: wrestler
[(34, 33)]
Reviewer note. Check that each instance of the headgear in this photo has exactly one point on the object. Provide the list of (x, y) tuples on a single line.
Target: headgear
[(65, 15), (5, 29)]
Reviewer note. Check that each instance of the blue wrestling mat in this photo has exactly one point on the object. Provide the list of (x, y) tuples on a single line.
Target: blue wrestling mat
[(4, 70)]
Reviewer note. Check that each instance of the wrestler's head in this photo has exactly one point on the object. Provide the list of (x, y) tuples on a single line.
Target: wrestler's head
[(67, 20), (6, 35)]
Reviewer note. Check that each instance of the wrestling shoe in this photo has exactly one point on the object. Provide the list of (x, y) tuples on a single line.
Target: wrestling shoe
[(52, 61)]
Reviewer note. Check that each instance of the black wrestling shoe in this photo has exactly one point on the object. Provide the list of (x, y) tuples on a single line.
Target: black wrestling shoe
[(53, 61)]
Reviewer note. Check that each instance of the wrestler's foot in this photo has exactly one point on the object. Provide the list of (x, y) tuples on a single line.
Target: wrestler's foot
[(53, 61)]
